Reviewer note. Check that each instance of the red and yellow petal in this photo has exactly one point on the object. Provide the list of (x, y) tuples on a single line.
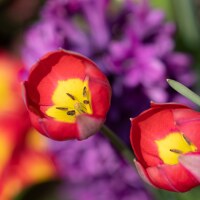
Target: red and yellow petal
[(54, 129)]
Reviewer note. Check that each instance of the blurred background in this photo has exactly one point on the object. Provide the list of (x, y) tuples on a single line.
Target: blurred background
[(137, 44)]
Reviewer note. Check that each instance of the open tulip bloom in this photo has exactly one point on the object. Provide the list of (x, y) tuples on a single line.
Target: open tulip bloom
[(67, 96), (166, 142)]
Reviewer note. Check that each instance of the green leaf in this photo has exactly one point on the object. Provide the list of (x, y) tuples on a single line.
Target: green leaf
[(183, 90)]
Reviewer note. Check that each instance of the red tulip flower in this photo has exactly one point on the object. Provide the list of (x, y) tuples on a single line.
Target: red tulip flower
[(67, 96), (166, 143)]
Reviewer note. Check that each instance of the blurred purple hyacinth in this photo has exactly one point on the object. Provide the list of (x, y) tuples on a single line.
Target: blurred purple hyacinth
[(94, 171)]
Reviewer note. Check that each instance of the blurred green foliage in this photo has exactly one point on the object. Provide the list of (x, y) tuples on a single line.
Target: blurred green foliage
[(184, 13), (164, 195), (14, 18), (42, 191)]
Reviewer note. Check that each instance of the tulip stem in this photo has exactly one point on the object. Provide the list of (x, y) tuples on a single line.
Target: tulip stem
[(118, 144)]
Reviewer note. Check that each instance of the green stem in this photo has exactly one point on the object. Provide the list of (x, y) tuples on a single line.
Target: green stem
[(118, 144)]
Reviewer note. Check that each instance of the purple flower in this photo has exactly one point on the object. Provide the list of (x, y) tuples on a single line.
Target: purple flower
[(93, 171)]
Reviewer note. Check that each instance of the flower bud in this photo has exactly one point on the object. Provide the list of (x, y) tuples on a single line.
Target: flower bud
[(67, 96), (166, 143)]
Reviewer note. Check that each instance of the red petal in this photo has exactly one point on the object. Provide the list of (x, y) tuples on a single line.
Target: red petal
[(182, 116), (142, 172), (32, 106), (69, 66), (171, 105), (101, 94), (55, 66), (54, 129), (39, 71), (149, 151), (191, 162), (191, 131), (153, 123), (94, 72), (172, 178), (88, 126), (156, 124)]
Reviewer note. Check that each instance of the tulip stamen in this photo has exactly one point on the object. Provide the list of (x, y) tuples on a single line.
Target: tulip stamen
[(71, 96), (86, 102), (84, 91), (176, 151), (62, 108), (186, 139), (71, 112), (78, 106)]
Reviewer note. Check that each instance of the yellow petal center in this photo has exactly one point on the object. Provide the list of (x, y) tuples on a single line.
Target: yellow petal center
[(173, 145), (71, 98)]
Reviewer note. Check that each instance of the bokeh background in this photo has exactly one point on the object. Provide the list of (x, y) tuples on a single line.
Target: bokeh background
[(137, 44)]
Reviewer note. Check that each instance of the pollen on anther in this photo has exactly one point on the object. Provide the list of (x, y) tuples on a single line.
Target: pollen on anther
[(71, 112), (176, 151), (62, 108), (84, 91), (71, 96), (186, 139), (86, 102)]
